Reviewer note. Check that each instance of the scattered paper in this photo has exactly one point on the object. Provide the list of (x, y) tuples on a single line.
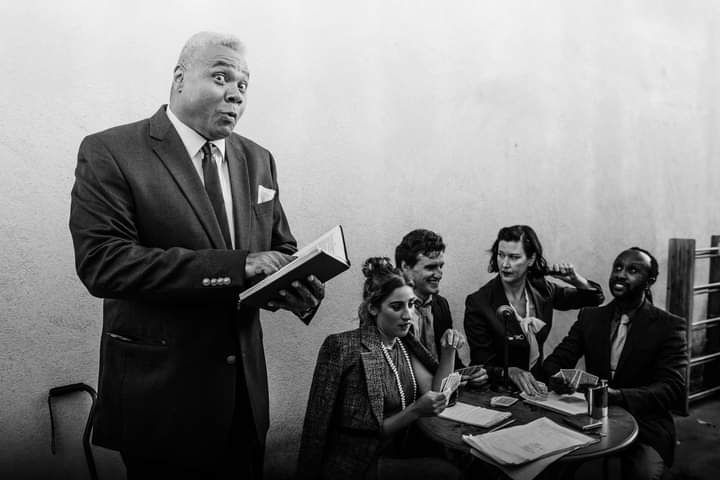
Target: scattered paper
[(474, 415), (518, 445), (528, 471), (566, 404)]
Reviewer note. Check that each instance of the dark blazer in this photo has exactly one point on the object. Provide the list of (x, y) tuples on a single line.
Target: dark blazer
[(175, 352), (650, 370), (485, 332), (442, 320), (343, 423)]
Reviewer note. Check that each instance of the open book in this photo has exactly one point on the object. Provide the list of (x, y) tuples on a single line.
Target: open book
[(324, 258)]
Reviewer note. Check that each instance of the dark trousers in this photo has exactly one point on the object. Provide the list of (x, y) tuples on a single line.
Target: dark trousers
[(242, 458)]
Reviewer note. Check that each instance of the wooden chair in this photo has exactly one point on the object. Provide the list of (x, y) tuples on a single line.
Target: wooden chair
[(702, 377)]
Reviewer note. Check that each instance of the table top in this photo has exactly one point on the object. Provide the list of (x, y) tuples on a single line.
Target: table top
[(618, 430)]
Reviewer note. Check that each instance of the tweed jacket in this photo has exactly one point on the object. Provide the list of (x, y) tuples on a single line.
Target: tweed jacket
[(650, 371), (485, 332), (343, 423)]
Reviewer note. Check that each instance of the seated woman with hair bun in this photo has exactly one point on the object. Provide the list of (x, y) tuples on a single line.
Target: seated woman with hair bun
[(369, 387)]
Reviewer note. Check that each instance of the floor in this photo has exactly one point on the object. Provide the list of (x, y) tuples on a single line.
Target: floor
[(698, 449)]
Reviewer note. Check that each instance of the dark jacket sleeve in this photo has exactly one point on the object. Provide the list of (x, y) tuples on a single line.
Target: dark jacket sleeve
[(442, 318), (569, 351), (571, 298), (321, 403), (667, 381), (479, 332), (111, 257)]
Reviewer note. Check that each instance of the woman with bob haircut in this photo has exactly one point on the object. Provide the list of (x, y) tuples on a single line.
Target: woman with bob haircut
[(520, 284), (370, 385)]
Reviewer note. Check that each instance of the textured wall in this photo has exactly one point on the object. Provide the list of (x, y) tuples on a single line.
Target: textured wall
[(593, 121)]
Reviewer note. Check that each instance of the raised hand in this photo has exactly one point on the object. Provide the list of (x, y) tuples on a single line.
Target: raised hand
[(452, 339), (566, 272)]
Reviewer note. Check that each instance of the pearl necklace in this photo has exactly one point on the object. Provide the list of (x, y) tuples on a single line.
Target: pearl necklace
[(394, 369)]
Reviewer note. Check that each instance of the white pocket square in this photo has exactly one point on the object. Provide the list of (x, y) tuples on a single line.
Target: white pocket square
[(265, 194)]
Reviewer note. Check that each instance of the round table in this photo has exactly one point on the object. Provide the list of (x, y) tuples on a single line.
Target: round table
[(618, 431)]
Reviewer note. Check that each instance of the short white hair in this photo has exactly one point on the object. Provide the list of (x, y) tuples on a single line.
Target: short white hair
[(204, 39)]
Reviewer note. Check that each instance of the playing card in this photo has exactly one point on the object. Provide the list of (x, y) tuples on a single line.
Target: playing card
[(469, 371), (449, 385)]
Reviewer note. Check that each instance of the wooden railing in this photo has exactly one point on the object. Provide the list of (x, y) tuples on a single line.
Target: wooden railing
[(703, 336)]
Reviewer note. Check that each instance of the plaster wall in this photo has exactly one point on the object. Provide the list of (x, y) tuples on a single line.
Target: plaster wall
[(593, 121)]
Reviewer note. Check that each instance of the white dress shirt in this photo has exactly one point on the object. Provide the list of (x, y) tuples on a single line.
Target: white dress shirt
[(194, 142)]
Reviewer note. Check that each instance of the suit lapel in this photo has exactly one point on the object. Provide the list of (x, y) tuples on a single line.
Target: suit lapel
[(541, 308), (168, 146), (372, 361), (601, 340), (241, 194)]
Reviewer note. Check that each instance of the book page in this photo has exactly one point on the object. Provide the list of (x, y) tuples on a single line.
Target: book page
[(331, 243)]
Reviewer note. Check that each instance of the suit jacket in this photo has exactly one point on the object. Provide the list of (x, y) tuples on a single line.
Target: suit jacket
[(176, 356), (650, 370), (485, 332), (343, 423), (442, 320)]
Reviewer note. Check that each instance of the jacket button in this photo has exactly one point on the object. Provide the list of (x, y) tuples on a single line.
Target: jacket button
[(213, 282), (231, 359), (226, 280), (206, 282)]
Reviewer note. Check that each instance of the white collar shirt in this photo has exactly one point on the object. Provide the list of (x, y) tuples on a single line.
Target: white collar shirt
[(193, 143)]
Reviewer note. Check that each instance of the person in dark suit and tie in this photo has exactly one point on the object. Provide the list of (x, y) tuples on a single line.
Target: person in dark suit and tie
[(641, 350), (172, 217)]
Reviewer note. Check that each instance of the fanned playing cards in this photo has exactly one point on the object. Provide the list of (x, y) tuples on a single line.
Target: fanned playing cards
[(577, 378)]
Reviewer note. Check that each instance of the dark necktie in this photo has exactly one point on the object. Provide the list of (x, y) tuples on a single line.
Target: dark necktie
[(214, 191)]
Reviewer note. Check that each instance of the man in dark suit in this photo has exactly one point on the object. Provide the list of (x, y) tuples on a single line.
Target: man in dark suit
[(171, 218), (641, 350), (420, 256)]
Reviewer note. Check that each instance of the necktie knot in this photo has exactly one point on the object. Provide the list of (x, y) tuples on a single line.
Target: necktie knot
[(206, 151)]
